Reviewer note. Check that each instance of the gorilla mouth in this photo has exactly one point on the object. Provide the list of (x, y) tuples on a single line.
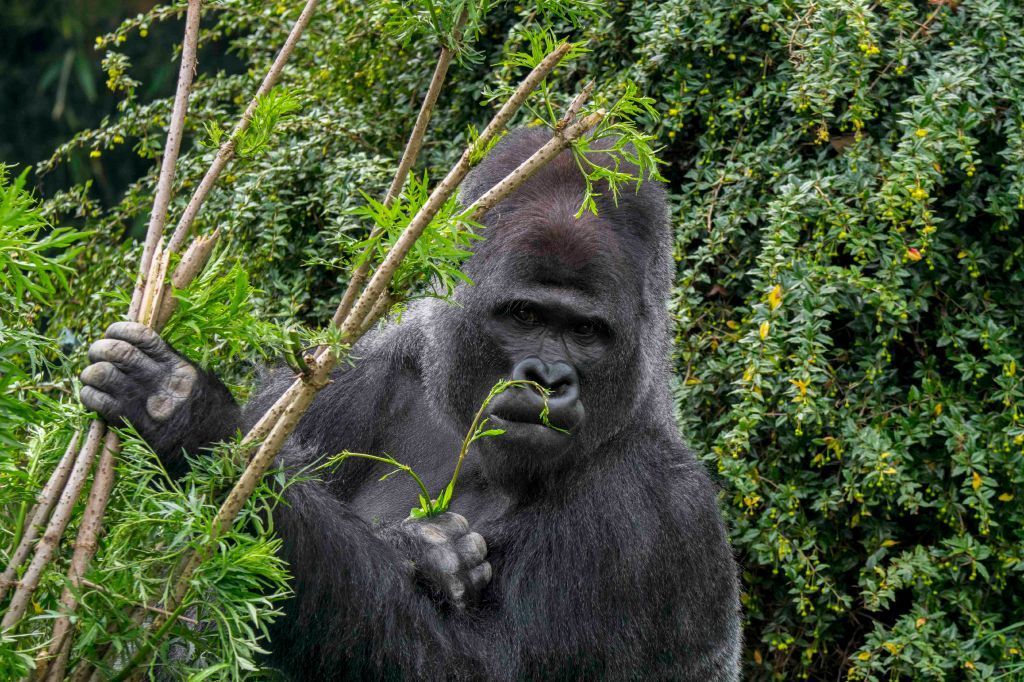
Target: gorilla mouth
[(518, 411)]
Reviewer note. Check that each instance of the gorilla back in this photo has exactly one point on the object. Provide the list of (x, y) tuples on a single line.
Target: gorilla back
[(591, 551)]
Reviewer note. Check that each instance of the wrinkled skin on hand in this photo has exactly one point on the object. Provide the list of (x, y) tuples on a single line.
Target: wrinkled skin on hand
[(446, 558), (136, 377)]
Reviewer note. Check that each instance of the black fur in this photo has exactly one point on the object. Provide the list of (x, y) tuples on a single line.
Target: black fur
[(608, 552)]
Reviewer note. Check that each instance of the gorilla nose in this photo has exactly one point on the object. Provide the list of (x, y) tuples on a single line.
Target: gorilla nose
[(558, 377)]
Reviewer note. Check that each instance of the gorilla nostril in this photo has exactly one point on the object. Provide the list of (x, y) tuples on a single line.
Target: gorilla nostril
[(558, 377)]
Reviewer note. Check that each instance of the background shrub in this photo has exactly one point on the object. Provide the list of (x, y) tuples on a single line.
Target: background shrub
[(848, 183)]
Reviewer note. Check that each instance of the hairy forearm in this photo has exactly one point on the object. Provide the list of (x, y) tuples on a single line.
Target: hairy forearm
[(353, 592)]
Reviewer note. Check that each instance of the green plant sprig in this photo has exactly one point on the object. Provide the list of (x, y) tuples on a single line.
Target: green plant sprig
[(430, 507)]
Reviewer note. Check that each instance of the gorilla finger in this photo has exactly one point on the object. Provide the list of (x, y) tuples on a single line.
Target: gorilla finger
[(101, 403), (427, 532), (441, 560), (455, 591), (471, 549), (125, 356), (480, 576), (142, 337), (105, 377), (451, 523)]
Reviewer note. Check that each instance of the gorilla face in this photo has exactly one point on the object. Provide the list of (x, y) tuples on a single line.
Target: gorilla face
[(558, 300)]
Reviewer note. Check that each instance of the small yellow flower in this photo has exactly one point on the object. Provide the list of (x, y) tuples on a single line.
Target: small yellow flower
[(143, 32), (673, 112), (913, 254), (920, 622), (775, 297), (95, 154), (764, 329), (118, 139), (921, 132), (864, 655), (1006, 497), (919, 193), (975, 480)]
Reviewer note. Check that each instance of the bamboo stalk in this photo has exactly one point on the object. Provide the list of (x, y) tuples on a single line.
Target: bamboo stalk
[(45, 502), (412, 150), (175, 133), (351, 321), (227, 150), (85, 548), (55, 528)]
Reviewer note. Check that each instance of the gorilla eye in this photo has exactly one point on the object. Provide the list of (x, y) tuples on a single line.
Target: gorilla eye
[(585, 330), (524, 314)]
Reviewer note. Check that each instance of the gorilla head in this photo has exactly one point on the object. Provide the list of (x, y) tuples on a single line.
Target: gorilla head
[(574, 304)]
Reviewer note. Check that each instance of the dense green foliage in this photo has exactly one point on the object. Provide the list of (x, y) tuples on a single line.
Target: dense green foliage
[(848, 185)]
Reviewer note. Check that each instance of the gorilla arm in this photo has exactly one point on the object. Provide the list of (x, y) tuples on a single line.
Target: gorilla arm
[(702, 608), (357, 607)]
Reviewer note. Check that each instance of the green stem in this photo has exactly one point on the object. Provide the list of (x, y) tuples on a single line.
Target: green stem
[(395, 463), (474, 428)]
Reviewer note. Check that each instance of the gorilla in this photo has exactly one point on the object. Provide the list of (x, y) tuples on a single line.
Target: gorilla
[(591, 551)]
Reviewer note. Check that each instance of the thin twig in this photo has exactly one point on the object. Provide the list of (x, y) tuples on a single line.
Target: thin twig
[(45, 502), (558, 143), (575, 107), (227, 150), (379, 309)]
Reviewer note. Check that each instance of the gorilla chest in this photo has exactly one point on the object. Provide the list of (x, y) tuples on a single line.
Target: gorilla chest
[(431, 448)]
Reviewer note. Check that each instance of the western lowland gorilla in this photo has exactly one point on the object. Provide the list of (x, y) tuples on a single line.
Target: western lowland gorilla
[(592, 551)]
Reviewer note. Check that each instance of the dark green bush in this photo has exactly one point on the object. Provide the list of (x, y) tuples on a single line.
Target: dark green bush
[(848, 183)]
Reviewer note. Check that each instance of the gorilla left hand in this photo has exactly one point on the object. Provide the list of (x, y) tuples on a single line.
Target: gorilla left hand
[(450, 558)]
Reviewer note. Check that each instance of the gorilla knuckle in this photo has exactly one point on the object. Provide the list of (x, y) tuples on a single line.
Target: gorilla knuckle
[(442, 560), (99, 374), (430, 534), (453, 524), (472, 548), (480, 575)]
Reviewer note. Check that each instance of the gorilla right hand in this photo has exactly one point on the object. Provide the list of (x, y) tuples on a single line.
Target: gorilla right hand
[(135, 376), (445, 557)]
